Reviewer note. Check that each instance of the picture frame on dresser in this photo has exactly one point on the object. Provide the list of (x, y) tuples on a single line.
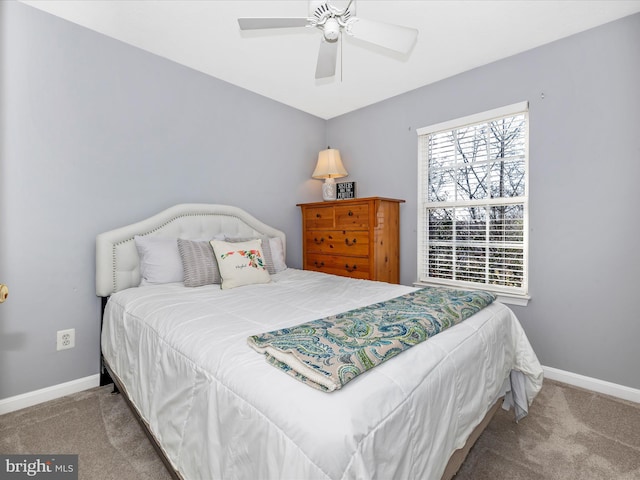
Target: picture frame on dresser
[(358, 238), (345, 190)]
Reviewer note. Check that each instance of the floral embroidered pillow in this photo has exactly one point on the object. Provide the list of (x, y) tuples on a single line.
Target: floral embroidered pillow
[(240, 263)]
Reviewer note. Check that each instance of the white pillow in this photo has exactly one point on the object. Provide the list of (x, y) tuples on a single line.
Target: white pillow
[(160, 260), (240, 263), (277, 254)]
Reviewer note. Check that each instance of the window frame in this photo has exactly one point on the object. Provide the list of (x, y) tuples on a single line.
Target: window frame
[(513, 295)]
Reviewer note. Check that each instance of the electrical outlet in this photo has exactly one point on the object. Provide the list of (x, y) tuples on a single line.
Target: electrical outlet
[(66, 339)]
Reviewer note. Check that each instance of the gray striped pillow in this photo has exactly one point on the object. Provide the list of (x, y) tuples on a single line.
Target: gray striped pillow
[(199, 263)]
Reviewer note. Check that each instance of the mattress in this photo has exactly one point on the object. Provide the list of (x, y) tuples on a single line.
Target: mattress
[(219, 410)]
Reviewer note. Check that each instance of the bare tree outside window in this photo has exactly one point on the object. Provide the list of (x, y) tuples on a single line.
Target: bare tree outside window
[(475, 203)]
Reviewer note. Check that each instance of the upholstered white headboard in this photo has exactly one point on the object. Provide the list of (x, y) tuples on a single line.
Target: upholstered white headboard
[(117, 261)]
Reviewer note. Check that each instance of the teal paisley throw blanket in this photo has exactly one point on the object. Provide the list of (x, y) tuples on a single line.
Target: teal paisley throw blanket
[(328, 353)]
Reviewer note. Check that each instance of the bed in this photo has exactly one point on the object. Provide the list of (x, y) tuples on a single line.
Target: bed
[(216, 409)]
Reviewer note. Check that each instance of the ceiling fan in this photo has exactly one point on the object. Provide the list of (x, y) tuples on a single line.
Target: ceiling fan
[(332, 21)]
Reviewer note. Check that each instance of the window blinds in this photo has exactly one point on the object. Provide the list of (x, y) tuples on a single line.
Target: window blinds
[(473, 202)]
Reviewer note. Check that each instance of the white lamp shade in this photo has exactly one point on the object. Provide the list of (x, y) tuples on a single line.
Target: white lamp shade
[(329, 165)]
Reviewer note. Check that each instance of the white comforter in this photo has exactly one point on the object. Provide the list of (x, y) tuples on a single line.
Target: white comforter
[(220, 411)]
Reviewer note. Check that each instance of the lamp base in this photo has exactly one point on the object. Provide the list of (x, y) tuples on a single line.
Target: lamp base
[(329, 190)]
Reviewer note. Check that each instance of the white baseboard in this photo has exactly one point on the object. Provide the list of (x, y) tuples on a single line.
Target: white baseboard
[(29, 399), (593, 384)]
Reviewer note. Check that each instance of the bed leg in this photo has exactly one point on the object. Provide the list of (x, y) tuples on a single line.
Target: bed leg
[(105, 378)]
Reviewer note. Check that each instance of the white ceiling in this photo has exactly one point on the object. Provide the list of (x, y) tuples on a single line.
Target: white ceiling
[(455, 36)]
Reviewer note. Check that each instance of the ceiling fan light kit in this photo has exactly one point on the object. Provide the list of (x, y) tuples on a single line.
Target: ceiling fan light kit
[(331, 30), (332, 22)]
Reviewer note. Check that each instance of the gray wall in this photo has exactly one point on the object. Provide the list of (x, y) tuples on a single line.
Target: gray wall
[(584, 193), (96, 134)]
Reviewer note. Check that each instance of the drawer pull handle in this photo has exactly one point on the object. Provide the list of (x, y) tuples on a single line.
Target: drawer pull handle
[(318, 242), (318, 215), (350, 213), (350, 244), (350, 269), (318, 264)]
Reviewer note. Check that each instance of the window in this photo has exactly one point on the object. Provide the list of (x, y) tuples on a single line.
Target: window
[(473, 201)]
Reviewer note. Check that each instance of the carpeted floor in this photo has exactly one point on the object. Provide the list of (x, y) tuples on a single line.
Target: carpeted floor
[(95, 425), (569, 434)]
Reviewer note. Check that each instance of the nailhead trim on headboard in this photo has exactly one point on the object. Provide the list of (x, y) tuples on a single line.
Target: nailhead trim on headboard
[(224, 213), (157, 229)]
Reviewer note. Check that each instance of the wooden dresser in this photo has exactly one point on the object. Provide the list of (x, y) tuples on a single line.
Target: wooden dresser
[(357, 238)]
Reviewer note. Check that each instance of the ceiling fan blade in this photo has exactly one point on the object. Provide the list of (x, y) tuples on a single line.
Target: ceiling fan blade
[(260, 23), (394, 37), (326, 66)]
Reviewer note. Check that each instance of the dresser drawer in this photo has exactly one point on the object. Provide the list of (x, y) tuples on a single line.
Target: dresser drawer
[(337, 242), (352, 216), (356, 267), (318, 217)]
